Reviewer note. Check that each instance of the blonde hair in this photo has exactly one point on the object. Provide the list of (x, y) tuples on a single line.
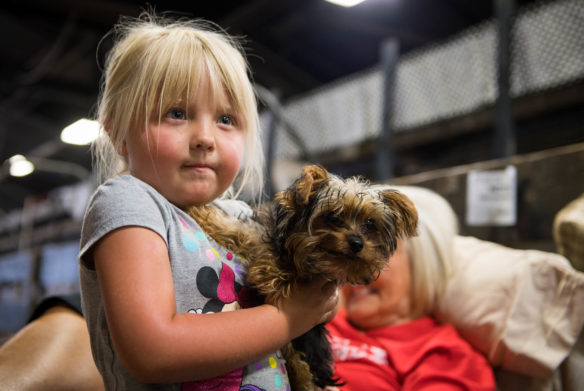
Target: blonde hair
[(156, 62), (431, 251)]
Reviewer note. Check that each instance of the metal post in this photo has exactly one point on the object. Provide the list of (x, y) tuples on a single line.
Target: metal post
[(385, 158), (504, 140), (271, 145), (277, 117)]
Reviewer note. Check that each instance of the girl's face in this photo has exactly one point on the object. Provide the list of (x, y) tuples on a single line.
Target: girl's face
[(384, 302), (193, 154)]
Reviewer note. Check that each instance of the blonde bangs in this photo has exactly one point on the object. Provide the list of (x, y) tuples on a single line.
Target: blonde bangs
[(168, 68), (178, 64)]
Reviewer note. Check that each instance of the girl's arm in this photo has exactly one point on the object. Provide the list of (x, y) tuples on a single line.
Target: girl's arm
[(155, 344)]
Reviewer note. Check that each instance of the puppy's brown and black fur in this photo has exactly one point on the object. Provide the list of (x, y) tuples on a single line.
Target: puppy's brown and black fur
[(341, 229)]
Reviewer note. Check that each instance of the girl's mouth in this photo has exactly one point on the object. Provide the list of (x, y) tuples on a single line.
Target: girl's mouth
[(197, 167)]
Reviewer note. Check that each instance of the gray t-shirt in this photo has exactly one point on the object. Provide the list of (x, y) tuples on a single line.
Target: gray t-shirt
[(207, 278)]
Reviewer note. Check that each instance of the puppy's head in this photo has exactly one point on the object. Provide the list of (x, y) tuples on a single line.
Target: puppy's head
[(342, 229)]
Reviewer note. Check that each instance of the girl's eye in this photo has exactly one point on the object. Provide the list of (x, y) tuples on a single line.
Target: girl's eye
[(225, 120), (177, 114)]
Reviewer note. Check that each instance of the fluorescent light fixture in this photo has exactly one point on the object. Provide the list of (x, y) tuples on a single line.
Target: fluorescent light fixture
[(345, 3), (19, 166), (80, 132)]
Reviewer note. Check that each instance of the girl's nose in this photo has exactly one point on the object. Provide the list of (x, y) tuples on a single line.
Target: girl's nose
[(203, 137)]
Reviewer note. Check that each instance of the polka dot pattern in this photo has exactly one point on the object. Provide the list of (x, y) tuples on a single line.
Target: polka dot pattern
[(190, 244), (280, 375), (239, 269), (211, 254)]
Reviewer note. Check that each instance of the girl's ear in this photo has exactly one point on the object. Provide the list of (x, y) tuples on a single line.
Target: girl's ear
[(107, 127)]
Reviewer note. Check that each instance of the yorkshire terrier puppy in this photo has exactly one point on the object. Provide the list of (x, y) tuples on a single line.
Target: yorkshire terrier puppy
[(341, 229)]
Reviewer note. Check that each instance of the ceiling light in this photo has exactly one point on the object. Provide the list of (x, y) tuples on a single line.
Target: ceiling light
[(345, 3), (81, 132), (19, 166)]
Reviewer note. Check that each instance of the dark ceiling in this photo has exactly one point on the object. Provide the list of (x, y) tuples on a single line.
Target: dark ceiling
[(50, 74)]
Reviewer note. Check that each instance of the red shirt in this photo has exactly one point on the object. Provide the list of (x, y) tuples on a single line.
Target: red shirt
[(418, 355)]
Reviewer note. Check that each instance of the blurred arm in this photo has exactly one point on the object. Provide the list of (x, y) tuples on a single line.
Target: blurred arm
[(52, 352)]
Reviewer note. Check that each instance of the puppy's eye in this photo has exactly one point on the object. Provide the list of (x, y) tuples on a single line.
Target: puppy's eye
[(369, 225), (333, 219)]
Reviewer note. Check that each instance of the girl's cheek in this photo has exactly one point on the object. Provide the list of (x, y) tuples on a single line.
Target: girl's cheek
[(236, 150)]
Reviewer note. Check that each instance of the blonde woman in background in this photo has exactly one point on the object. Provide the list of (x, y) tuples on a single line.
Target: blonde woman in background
[(384, 336)]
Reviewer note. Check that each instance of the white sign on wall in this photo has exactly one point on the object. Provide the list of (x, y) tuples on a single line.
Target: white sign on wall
[(491, 197)]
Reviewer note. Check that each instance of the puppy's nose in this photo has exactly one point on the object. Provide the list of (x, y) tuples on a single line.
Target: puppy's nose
[(356, 243)]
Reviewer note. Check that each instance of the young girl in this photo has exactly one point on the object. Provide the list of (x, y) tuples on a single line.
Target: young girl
[(179, 112)]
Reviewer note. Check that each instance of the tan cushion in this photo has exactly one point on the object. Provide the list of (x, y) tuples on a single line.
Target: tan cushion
[(522, 308), (569, 232)]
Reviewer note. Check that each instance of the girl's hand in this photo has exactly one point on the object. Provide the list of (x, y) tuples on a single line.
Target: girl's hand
[(333, 301), (310, 305)]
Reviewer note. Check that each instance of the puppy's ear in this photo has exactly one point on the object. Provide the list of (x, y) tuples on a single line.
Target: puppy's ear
[(406, 215), (310, 182)]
